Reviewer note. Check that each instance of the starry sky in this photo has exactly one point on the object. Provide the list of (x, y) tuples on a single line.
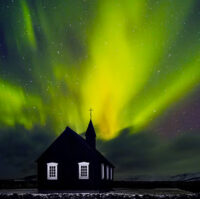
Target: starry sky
[(136, 63)]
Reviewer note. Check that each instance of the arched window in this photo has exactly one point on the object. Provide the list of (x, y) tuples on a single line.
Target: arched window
[(52, 171), (83, 170)]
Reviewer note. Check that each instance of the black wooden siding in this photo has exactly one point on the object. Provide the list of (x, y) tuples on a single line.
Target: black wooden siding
[(68, 150)]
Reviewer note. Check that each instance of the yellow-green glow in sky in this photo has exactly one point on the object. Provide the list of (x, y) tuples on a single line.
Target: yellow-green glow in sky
[(127, 60)]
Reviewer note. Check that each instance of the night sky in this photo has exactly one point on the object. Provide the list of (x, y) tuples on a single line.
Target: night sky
[(136, 63)]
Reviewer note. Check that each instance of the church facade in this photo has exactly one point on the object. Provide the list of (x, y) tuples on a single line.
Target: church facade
[(72, 162)]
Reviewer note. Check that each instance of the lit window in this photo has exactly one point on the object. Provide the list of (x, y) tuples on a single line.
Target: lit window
[(52, 171), (102, 171), (107, 172), (83, 170)]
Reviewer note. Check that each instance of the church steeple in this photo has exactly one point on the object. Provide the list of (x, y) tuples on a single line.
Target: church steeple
[(91, 135)]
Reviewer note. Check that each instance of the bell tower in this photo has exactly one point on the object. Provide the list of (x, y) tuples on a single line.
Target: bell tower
[(90, 133)]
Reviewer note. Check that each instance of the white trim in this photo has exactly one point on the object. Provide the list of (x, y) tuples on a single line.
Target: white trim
[(52, 167), (81, 166), (102, 171), (107, 172)]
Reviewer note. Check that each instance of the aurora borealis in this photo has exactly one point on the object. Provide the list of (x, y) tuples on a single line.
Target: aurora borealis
[(136, 63)]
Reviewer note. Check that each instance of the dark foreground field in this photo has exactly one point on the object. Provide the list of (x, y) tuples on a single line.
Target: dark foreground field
[(115, 194), (96, 196), (23, 189)]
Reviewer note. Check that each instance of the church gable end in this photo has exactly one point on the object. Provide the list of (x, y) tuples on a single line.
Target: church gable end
[(72, 162)]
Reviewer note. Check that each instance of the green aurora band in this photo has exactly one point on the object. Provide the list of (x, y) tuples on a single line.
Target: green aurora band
[(129, 60)]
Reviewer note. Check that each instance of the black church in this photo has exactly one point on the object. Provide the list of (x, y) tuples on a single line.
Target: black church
[(72, 162)]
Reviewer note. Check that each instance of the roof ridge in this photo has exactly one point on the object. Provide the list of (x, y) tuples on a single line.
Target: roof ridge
[(57, 138)]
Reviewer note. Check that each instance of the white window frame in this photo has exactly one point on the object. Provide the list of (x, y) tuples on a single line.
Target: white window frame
[(102, 171), (80, 165), (49, 165), (107, 172)]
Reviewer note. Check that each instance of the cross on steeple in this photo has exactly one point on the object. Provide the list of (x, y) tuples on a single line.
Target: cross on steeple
[(90, 113)]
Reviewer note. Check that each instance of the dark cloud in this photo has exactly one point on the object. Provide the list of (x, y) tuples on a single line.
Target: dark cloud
[(148, 154), (143, 155), (19, 149)]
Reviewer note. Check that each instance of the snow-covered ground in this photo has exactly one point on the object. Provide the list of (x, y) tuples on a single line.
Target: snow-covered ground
[(116, 194)]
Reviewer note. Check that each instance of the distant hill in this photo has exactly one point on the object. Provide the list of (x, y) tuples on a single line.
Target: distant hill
[(186, 177)]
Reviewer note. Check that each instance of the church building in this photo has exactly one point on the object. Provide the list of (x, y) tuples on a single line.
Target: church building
[(72, 162)]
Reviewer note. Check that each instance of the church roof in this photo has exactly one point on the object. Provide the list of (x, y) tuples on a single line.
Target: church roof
[(69, 140)]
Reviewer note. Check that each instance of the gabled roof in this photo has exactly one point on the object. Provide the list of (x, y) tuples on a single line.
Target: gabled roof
[(66, 138), (90, 130)]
